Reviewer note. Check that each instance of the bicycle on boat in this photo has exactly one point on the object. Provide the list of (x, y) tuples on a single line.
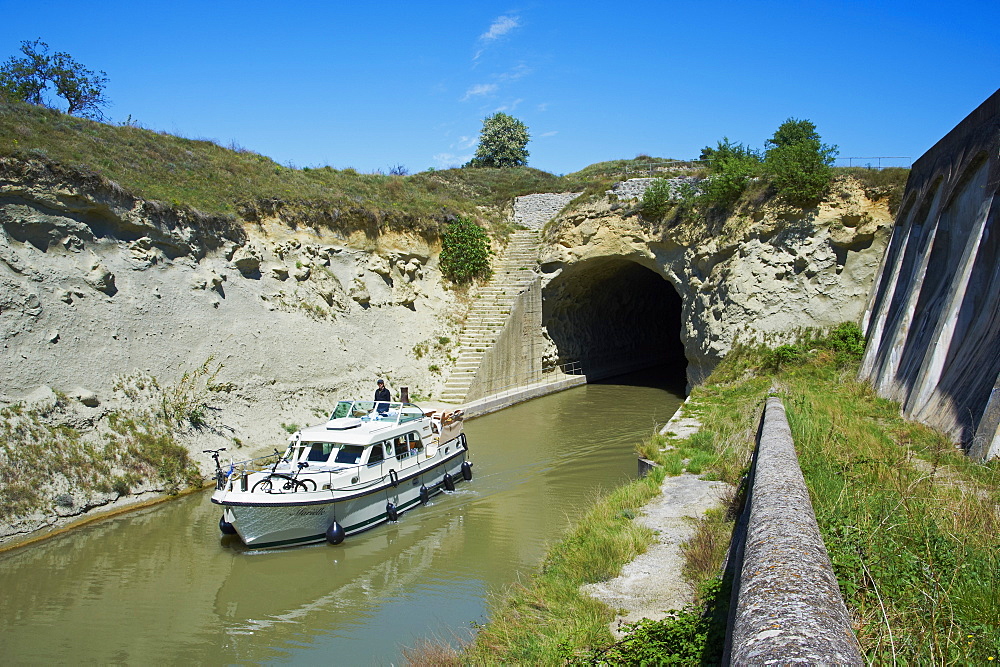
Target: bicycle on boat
[(220, 474), (287, 482)]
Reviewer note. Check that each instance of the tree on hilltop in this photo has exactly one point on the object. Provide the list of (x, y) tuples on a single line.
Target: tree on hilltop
[(798, 163), (502, 142), (27, 78)]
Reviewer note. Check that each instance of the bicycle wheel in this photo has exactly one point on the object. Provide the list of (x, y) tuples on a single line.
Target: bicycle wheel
[(264, 486), (307, 484)]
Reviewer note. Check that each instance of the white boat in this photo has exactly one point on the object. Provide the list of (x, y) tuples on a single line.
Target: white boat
[(369, 463)]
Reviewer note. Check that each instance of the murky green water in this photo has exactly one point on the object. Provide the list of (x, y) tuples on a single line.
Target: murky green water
[(161, 586)]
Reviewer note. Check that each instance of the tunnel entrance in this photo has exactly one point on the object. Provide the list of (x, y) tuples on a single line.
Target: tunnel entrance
[(614, 317)]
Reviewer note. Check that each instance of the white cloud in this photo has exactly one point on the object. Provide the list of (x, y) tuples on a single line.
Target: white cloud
[(544, 106), (478, 90), (521, 70), (449, 160), (501, 26), (549, 134), (511, 106), (467, 142)]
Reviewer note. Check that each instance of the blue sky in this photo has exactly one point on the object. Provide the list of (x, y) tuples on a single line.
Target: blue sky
[(373, 85)]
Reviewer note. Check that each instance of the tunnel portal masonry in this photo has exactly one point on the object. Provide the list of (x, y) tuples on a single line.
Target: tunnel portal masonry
[(618, 290)]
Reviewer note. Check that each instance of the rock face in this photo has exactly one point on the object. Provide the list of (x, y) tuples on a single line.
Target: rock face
[(95, 284), (758, 277)]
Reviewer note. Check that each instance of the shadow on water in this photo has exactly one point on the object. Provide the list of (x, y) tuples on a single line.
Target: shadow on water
[(671, 378)]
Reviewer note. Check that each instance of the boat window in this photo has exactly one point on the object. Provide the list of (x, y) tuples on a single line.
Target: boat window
[(413, 438), (399, 444), (319, 451), (377, 455), (350, 454), (343, 409), (409, 412)]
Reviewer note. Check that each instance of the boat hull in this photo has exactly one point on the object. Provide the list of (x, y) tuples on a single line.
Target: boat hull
[(302, 518)]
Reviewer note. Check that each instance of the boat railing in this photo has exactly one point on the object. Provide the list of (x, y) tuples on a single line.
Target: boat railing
[(389, 413), (260, 464)]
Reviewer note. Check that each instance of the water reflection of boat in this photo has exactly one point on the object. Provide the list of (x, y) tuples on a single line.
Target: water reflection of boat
[(367, 465), (351, 590)]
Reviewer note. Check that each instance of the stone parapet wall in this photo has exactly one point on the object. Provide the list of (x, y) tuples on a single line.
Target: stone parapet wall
[(533, 211), (788, 607)]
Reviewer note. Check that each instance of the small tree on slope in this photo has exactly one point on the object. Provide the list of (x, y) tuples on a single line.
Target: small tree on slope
[(28, 77), (502, 142)]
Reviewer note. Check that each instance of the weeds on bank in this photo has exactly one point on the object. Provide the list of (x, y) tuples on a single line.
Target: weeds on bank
[(44, 462), (201, 174), (910, 532), (548, 619), (910, 522)]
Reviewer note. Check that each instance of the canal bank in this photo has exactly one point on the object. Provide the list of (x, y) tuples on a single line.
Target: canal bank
[(160, 583)]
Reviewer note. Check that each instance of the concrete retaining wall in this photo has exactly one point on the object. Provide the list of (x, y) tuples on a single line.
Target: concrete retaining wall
[(933, 319), (549, 385), (788, 607), (515, 359)]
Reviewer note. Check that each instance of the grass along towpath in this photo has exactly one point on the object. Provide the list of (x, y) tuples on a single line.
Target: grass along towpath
[(909, 521)]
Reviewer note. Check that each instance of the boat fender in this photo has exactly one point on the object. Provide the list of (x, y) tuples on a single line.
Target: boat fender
[(335, 533), (390, 511), (393, 478), (226, 527), (449, 483), (425, 494), (467, 471)]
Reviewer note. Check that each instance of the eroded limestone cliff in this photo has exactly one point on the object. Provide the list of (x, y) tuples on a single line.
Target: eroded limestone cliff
[(100, 292), (758, 275), (97, 285)]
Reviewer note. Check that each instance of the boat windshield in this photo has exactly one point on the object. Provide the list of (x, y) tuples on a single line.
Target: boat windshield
[(377, 411)]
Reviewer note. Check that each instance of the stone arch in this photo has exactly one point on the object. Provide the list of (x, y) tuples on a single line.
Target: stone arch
[(613, 316)]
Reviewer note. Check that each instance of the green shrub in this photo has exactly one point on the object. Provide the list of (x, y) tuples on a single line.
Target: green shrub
[(690, 636), (847, 338), (798, 164), (782, 356), (465, 252), (657, 199), (732, 168)]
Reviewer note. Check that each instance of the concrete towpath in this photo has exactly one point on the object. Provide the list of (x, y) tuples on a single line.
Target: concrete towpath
[(653, 583)]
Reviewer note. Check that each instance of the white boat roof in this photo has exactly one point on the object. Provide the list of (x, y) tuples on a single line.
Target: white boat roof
[(365, 422)]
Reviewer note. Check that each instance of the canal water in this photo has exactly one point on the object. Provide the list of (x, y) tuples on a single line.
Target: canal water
[(162, 586)]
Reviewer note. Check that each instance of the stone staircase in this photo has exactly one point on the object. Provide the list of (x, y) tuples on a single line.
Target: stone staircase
[(513, 272)]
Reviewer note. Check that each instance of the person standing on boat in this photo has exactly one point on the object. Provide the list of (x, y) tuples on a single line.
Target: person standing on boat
[(382, 398)]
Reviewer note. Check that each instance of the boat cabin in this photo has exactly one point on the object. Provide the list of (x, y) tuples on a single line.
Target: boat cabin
[(362, 433)]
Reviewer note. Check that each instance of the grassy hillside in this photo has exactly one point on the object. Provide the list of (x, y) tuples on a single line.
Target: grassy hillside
[(213, 179)]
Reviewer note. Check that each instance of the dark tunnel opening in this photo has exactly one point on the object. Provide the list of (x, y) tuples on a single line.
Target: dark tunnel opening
[(616, 317)]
